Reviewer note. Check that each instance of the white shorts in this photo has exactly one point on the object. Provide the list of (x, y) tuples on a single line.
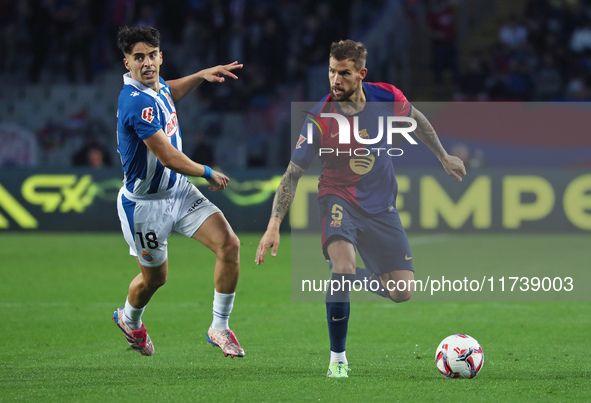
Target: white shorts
[(147, 224)]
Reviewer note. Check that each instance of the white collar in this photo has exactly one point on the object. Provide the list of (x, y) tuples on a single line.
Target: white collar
[(127, 79)]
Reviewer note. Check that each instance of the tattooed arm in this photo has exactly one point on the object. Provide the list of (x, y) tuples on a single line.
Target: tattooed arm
[(286, 192), (453, 165), (281, 202)]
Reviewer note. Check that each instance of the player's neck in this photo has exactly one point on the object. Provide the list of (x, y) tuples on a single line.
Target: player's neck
[(355, 104)]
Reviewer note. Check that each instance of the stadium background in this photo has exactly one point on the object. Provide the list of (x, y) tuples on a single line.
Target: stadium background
[(61, 75), (523, 210)]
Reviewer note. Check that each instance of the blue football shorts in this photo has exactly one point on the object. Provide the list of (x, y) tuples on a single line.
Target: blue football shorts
[(380, 238)]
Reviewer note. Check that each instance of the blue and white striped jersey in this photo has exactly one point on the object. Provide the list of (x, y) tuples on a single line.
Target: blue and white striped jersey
[(140, 114)]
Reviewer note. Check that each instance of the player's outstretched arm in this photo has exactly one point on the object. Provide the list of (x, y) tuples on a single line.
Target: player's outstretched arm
[(182, 86), (453, 165), (178, 162), (283, 199)]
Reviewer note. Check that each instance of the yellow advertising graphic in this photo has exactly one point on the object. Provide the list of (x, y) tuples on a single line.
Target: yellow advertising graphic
[(14, 210), (521, 199), (490, 200)]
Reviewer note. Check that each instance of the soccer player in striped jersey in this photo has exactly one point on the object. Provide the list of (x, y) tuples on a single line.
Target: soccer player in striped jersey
[(357, 189), (156, 197)]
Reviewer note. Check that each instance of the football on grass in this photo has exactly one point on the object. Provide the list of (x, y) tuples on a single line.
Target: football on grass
[(459, 356)]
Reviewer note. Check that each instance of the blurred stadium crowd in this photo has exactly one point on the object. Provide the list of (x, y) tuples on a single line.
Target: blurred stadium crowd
[(542, 54), (62, 71)]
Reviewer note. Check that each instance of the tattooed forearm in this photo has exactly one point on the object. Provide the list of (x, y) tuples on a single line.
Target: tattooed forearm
[(426, 133), (286, 192)]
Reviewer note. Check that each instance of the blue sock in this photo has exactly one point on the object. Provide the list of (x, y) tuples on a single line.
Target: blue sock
[(363, 275), (366, 277), (337, 311)]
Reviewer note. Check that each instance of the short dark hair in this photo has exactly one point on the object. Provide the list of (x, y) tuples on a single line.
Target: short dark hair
[(129, 36), (349, 50)]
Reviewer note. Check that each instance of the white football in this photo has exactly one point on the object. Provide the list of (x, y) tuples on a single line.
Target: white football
[(459, 356)]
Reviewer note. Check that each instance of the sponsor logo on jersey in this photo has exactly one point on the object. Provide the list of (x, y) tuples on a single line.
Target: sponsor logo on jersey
[(148, 114), (135, 94), (362, 165), (335, 223), (172, 126), (146, 256)]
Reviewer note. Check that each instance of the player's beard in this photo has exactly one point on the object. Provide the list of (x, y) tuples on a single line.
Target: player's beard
[(344, 96)]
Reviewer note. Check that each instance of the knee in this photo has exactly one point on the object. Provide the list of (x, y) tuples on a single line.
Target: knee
[(400, 296), (344, 267), (230, 247), (156, 282)]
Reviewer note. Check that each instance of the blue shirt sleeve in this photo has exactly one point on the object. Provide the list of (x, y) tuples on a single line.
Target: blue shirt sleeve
[(143, 116), (304, 152)]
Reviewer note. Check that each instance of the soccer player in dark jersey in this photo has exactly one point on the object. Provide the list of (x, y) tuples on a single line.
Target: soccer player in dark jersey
[(357, 189)]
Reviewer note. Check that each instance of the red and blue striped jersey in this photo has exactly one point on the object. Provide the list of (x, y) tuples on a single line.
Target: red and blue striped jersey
[(362, 174)]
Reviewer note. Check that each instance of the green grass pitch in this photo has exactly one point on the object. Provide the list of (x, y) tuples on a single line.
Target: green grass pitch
[(58, 342)]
